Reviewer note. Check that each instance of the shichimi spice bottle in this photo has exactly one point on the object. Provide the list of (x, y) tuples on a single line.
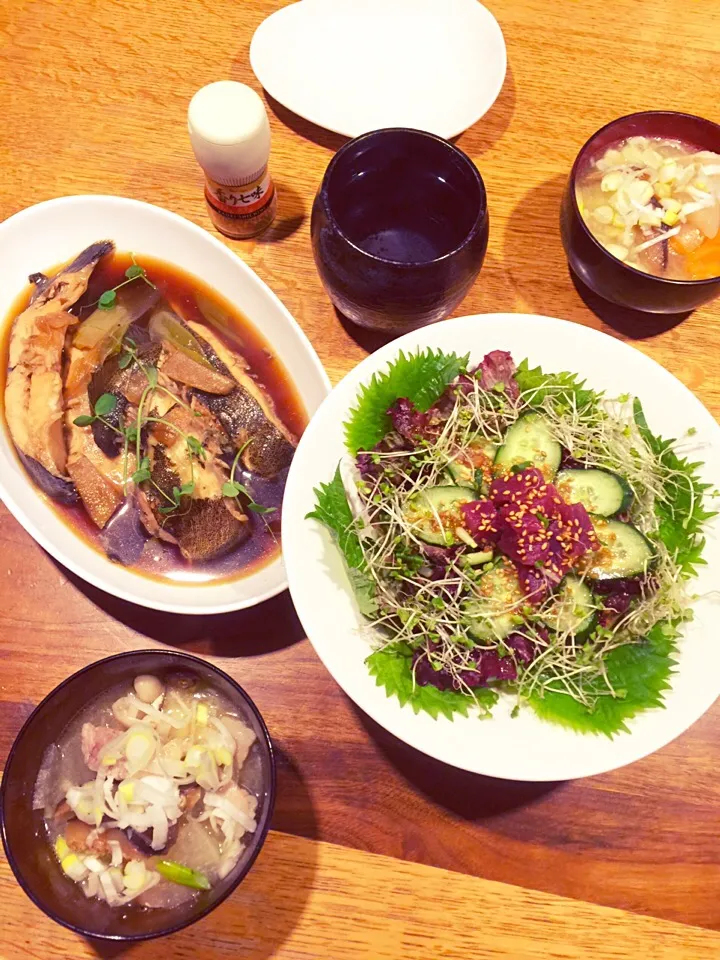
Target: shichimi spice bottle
[(230, 136)]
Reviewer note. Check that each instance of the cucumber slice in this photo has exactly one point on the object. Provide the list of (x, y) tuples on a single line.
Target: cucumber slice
[(461, 474), (574, 609), (434, 514), (488, 616), (625, 552), (529, 441), (599, 491), (476, 559), (478, 456)]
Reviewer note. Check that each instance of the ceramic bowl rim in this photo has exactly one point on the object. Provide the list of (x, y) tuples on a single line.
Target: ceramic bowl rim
[(262, 834), (582, 153), (478, 224)]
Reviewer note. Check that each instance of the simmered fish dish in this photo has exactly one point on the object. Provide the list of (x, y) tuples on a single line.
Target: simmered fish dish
[(152, 414), (149, 794)]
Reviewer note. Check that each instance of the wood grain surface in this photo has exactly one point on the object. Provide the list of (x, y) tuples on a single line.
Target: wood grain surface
[(93, 96), (306, 899)]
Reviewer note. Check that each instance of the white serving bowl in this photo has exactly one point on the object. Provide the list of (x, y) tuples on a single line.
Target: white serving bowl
[(53, 232), (524, 747)]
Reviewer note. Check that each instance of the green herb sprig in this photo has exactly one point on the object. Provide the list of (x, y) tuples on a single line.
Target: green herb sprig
[(108, 298), (233, 488), (103, 407), (186, 490)]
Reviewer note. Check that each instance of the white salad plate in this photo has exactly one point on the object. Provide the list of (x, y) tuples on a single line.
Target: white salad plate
[(54, 232), (357, 65), (524, 747)]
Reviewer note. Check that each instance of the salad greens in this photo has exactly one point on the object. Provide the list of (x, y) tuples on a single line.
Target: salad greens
[(392, 666), (683, 515), (591, 659), (421, 377), (334, 511)]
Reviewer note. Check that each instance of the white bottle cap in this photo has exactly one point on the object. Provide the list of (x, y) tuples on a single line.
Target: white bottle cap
[(229, 132)]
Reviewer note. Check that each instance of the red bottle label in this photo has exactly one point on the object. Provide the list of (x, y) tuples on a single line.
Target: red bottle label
[(242, 210)]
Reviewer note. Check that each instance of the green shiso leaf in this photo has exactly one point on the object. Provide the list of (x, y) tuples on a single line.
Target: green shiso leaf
[(639, 671), (364, 589), (683, 515), (332, 509), (536, 385), (392, 669), (421, 377)]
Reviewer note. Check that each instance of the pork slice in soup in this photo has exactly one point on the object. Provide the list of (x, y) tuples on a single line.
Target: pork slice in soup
[(146, 794)]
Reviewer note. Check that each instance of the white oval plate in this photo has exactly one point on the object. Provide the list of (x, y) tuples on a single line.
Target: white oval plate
[(357, 65), (524, 748), (53, 232)]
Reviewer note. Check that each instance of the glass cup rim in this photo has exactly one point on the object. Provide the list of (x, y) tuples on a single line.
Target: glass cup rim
[(582, 153), (261, 835), (476, 227)]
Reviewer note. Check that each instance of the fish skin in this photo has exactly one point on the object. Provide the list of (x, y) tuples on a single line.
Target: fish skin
[(89, 257), (33, 394), (208, 530), (126, 385), (56, 488), (203, 527), (247, 413), (40, 282), (207, 524), (123, 537)]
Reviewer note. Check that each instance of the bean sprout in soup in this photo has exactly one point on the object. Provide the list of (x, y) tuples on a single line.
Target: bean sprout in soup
[(150, 794), (655, 205)]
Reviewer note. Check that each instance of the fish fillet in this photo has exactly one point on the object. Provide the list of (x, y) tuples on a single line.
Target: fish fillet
[(33, 391), (248, 413), (207, 524)]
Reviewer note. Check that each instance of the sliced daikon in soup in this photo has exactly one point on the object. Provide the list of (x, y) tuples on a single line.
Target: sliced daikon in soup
[(147, 792), (654, 203)]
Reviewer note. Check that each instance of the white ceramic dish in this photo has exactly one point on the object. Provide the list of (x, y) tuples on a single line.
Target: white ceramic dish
[(53, 232), (358, 65), (524, 748)]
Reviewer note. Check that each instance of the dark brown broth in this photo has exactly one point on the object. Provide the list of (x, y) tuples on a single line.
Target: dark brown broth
[(160, 560)]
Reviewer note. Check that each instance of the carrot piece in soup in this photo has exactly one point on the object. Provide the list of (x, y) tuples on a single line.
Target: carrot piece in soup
[(689, 239), (704, 262)]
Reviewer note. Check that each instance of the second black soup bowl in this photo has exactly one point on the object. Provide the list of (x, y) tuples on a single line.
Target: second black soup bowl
[(28, 850), (399, 228), (603, 273)]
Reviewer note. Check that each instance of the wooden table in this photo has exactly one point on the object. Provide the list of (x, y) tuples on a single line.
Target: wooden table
[(93, 99)]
